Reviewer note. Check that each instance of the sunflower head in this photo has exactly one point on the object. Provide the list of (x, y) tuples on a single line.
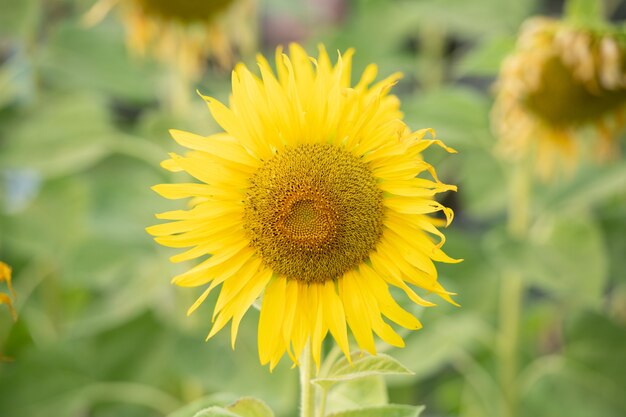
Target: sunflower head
[(183, 33), (313, 196), (559, 80), (186, 11)]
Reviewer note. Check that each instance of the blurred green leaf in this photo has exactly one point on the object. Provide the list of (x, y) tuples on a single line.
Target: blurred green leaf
[(392, 410), (441, 342), (62, 134), (362, 366), (96, 58), (17, 80), (591, 380), (612, 217), (485, 59), (18, 17), (483, 187), (54, 222), (591, 187), (459, 115), (564, 256), (471, 18), (594, 347)]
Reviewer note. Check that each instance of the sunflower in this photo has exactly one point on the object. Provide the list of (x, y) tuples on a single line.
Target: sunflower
[(182, 32), (559, 80), (5, 275), (312, 196)]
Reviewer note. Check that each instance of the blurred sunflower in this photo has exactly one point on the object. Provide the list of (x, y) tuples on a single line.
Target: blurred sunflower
[(183, 32), (5, 275), (312, 197), (559, 80)]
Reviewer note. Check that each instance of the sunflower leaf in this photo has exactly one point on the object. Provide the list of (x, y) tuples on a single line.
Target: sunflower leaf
[(244, 407), (361, 367), (250, 407), (392, 410), (215, 412), (359, 393)]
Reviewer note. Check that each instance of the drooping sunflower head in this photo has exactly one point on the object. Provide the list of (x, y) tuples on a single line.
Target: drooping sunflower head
[(559, 80), (314, 197), (186, 11), (183, 33)]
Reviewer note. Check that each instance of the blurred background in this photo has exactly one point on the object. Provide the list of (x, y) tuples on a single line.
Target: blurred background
[(101, 332)]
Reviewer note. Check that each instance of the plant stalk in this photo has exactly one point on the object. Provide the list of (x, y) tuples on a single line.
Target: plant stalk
[(307, 394), (511, 294)]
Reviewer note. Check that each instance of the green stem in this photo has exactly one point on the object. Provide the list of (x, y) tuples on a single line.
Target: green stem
[(177, 92), (510, 303), (433, 39), (519, 203), (307, 395), (511, 295)]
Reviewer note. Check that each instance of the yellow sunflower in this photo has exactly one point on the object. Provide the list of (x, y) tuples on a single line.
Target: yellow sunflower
[(311, 196), (5, 275), (559, 80), (182, 32)]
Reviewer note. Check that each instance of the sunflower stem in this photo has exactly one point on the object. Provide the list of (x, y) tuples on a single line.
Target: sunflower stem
[(512, 292), (307, 394), (176, 94)]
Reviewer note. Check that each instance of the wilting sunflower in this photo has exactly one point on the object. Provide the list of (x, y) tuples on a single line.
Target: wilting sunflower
[(183, 32), (312, 197), (5, 275), (559, 80)]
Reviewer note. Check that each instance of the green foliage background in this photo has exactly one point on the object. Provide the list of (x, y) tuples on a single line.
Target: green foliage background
[(101, 332)]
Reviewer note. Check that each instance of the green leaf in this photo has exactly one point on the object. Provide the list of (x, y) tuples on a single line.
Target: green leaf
[(483, 180), (612, 218), (96, 58), (591, 379), (62, 135), (466, 127), (215, 412), (564, 256), (358, 393), (202, 403), (18, 17), (362, 366), (392, 410), (250, 407), (486, 58), (442, 342), (591, 187), (244, 407), (595, 346)]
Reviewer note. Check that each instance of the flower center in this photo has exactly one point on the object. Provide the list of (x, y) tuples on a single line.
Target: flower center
[(563, 101), (313, 212), (183, 10), (308, 219)]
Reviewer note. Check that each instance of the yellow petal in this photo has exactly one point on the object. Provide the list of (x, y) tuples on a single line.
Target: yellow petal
[(217, 145), (270, 320), (356, 312)]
